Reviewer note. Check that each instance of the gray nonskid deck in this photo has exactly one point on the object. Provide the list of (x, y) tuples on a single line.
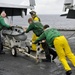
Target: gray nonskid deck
[(23, 65)]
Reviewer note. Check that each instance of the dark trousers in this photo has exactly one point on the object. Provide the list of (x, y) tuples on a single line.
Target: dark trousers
[(1, 44), (48, 50)]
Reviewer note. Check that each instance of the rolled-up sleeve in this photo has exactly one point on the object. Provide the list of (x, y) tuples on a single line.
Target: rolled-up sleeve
[(4, 24)]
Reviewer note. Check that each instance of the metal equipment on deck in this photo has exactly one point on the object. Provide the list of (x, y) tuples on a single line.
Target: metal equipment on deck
[(16, 40)]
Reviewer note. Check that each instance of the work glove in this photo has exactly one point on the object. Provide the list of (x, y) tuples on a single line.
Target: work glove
[(11, 27)]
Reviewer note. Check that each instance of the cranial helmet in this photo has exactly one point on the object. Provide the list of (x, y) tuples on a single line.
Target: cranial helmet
[(32, 13)]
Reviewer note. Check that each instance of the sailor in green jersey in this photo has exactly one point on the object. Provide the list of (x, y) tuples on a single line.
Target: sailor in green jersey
[(55, 39), (37, 28), (2, 24)]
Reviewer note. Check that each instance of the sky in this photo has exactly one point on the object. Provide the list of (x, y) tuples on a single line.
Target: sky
[(42, 6), (49, 6)]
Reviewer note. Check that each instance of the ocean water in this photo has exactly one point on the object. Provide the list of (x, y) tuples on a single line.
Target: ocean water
[(55, 21), (52, 20)]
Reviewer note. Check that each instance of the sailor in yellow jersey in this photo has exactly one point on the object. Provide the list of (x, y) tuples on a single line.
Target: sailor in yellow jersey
[(34, 37), (34, 16)]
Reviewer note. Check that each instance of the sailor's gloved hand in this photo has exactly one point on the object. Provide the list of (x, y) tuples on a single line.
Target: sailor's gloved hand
[(11, 27)]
